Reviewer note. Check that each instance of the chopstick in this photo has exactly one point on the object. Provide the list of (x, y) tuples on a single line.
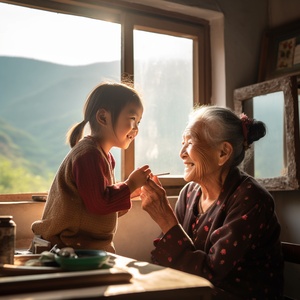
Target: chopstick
[(160, 174)]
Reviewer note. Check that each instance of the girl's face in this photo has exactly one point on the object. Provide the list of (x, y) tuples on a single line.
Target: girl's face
[(126, 128), (200, 159)]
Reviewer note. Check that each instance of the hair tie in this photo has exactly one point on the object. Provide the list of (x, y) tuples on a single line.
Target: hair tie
[(246, 122)]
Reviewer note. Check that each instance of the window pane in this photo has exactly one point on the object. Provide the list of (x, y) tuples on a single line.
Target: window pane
[(49, 63), (163, 72), (273, 162)]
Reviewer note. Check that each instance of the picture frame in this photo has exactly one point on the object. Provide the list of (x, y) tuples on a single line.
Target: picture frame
[(262, 94), (280, 53)]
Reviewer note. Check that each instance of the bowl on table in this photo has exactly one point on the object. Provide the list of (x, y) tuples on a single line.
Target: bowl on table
[(84, 260)]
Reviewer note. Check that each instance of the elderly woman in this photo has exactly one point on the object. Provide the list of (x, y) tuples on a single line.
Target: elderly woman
[(224, 227)]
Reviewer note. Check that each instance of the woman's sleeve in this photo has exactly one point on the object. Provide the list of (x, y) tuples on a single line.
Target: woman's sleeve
[(180, 205), (98, 196)]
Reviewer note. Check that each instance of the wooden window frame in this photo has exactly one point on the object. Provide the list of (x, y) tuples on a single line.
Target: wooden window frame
[(136, 16)]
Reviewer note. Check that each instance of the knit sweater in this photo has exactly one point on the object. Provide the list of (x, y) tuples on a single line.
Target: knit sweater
[(83, 201)]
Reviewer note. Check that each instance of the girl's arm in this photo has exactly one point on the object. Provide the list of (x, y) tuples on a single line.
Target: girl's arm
[(92, 178)]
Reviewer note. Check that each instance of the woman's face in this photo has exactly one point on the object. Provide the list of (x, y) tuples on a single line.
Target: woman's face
[(199, 157)]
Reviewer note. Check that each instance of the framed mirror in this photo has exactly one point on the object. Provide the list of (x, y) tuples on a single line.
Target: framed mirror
[(274, 160)]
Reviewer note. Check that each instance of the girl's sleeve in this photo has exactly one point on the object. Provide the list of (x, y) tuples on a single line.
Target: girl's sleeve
[(97, 194), (244, 225)]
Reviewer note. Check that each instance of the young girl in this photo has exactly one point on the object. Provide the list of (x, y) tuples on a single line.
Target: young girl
[(84, 200)]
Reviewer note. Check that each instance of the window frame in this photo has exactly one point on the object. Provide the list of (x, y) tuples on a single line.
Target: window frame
[(136, 16)]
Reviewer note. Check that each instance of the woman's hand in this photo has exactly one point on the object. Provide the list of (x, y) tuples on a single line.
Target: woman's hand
[(156, 204), (136, 193), (122, 212)]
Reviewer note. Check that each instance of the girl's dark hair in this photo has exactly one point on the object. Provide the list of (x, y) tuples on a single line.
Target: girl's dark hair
[(112, 97), (218, 124)]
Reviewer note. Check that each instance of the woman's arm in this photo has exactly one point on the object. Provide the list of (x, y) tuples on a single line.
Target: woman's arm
[(156, 204), (242, 229)]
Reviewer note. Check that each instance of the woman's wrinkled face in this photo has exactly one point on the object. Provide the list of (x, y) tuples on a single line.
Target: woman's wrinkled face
[(199, 157)]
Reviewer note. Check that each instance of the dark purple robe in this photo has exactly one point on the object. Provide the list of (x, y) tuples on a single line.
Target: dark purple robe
[(235, 244)]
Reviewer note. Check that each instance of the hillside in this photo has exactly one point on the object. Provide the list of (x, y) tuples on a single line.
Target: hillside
[(49, 99)]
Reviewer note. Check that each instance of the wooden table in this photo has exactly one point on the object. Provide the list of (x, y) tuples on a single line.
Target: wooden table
[(127, 279)]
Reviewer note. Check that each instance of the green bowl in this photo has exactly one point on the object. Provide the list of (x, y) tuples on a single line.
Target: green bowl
[(86, 260)]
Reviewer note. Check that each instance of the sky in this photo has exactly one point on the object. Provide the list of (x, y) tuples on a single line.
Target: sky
[(84, 35), (73, 40)]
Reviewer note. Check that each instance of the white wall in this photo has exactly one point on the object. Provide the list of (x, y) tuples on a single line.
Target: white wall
[(24, 214), (136, 232)]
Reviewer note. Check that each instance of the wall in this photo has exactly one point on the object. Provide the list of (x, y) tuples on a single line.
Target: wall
[(24, 212), (283, 11), (136, 232), (243, 24)]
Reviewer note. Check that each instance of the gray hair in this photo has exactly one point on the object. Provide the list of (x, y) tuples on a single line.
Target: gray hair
[(219, 124)]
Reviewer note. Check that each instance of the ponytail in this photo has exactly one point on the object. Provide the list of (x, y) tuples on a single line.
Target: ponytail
[(112, 97), (75, 133)]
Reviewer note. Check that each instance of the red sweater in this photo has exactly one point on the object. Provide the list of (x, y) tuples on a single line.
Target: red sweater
[(83, 201)]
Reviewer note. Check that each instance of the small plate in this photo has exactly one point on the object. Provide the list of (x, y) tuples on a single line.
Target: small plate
[(86, 260)]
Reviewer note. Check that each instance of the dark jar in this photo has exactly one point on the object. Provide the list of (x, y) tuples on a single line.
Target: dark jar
[(7, 240)]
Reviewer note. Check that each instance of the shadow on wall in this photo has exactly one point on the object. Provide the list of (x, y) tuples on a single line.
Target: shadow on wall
[(134, 238), (24, 213), (136, 232)]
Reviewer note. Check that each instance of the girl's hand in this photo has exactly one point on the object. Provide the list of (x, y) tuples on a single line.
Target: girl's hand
[(155, 179), (156, 204), (138, 178), (138, 191)]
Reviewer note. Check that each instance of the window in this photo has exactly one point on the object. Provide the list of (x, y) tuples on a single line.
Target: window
[(164, 72), (47, 72)]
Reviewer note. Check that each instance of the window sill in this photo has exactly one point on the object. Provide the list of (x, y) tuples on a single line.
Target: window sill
[(172, 185), (19, 197)]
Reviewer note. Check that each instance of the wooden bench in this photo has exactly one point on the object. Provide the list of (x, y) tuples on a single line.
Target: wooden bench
[(291, 254)]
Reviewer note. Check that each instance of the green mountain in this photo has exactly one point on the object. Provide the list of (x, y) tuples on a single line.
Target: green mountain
[(49, 98), (21, 148)]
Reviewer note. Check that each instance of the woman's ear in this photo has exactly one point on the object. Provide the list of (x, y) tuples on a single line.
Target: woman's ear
[(101, 116), (225, 153)]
